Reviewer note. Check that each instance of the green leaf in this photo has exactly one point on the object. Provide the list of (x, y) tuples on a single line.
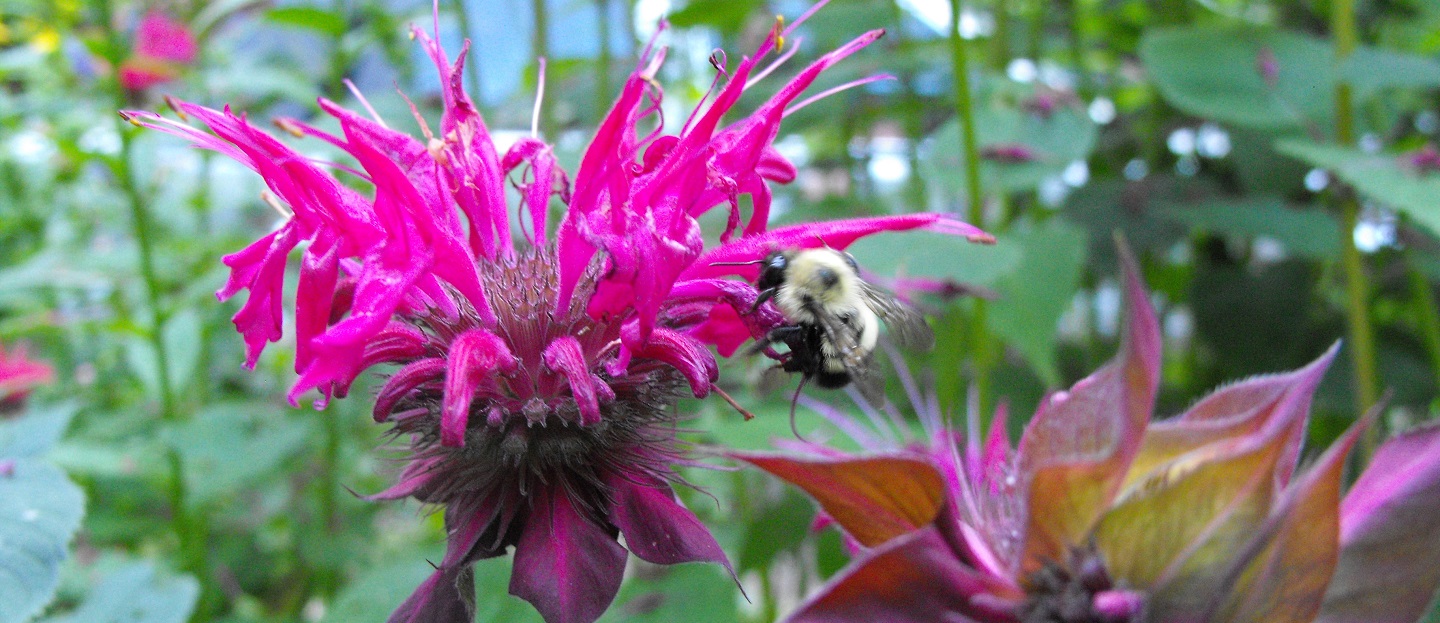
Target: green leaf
[(726, 15), (310, 18), (1053, 141), (938, 256), (376, 593), (1214, 71), (1372, 69), (779, 527), (184, 337), (1309, 232), (495, 604), (230, 445), (1037, 293), (691, 593), (1378, 176), (136, 593), (36, 432), (40, 510)]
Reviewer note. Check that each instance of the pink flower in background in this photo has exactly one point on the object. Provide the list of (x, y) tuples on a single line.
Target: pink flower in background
[(1103, 515), (163, 46), (534, 378), (19, 374)]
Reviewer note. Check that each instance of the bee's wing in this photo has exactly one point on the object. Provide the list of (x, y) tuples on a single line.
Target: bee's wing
[(843, 337), (907, 326), (867, 378)]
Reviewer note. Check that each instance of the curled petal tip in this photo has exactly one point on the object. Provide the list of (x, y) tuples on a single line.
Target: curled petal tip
[(981, 238)]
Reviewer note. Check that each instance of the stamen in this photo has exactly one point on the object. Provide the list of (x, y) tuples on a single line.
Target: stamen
[(833, 90), (780, 60), (364, 102), (274, 202), (174, 105), (539, 97), (726, 397), (779, 29), (289, 127)]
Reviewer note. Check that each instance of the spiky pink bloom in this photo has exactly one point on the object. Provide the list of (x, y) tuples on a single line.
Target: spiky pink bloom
[(535, 378), (18, 375), (1101, 515), (163, 46)]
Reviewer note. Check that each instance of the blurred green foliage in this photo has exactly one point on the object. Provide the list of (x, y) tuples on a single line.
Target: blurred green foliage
[(1205, 132)]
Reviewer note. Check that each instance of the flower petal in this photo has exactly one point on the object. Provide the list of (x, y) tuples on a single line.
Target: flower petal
[(657, 528), (913, 578), (474, 355), (566, 356), (1390, 535), (875, 498), (566, 566), (837, 234), (1076, 450)]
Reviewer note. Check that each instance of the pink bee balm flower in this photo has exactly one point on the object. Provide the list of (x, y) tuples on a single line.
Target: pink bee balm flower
[(1101, 515), (535, 378), (162, 47), (18, 375)]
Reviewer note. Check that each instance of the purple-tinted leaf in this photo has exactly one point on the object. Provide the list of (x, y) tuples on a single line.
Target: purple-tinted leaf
[(875, 499), (1390, 535), (1282, 573), (566, 566), (915, 578), (1250, 407), (1077, 449), (447, 596), (657, 528)]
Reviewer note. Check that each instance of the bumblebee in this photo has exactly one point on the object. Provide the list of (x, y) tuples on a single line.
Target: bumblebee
[(834, 318)]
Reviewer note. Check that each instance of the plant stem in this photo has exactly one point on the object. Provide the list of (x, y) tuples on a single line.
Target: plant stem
[(981, 343), (140, 220), (1427, 316), (965, 112), (604, 60), (540, 48), (1000, 40), (1357, 284)]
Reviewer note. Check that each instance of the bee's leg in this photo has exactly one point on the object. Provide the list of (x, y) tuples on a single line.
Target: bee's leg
[(765, 295), (785, 335)]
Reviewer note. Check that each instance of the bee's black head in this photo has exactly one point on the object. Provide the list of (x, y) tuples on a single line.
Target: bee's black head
[(772, 270)]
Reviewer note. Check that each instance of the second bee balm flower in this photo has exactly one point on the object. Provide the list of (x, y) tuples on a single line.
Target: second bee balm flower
[(534, 378)]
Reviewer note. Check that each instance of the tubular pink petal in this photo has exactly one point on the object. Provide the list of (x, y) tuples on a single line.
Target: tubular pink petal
[(405, 380), (686, 354), (538, 190), (837, 89), (566, 356), (837, 234), (319, 271), (475, 354), (259, 319)]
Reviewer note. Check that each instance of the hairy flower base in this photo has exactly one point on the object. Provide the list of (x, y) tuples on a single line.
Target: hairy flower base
[(546, 451), (525, 430)]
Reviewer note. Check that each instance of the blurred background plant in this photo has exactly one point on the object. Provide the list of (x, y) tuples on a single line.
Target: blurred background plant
[(1271, 161)]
